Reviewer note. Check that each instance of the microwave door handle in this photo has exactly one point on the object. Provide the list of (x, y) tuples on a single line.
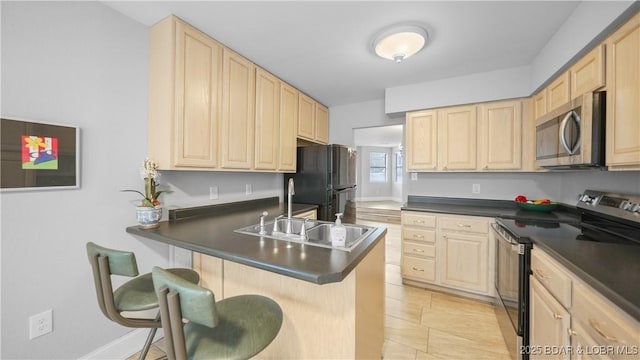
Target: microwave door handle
[(563, 128)]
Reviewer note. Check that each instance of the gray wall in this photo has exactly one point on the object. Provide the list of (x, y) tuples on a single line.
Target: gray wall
[(82, 64)]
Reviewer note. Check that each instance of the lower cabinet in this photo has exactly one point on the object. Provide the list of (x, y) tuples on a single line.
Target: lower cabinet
[(447, 252), (571, 320)]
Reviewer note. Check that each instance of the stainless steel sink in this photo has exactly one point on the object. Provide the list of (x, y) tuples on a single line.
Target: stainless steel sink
[(317, 233)]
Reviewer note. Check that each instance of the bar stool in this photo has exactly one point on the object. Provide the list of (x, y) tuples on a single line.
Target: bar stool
[(238, 327), (137, 294)]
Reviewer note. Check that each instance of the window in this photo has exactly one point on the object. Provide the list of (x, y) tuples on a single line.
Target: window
[(377, 167), (399, 166)]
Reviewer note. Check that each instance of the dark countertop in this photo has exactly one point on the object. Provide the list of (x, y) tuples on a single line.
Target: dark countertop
[(611, 269), (210, 230), (489, 208)]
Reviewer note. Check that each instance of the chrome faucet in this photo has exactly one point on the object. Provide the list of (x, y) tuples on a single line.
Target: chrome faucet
[(290, 191)]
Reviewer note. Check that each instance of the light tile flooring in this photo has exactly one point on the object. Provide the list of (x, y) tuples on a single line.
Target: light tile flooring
[(422, 324)]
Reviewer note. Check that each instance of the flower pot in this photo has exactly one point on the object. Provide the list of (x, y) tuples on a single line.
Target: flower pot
[(148, 217)]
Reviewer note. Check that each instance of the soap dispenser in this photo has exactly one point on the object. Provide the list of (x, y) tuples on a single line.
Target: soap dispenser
[(338, 232)]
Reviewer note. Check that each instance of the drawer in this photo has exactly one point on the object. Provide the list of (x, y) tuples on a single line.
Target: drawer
[(422, 269), (552, 276), (480, 226), (418, 219), (603, 322), (419, 235), (418, 249)]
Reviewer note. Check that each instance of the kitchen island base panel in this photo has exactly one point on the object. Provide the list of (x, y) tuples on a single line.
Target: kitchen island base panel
[(342, 320), (450, 291)]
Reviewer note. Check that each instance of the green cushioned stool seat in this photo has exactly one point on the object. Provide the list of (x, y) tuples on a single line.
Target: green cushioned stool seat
[(137, 294), (238, 327)]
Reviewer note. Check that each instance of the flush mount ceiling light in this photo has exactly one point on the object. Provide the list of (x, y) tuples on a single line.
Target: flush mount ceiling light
[(399, 42)]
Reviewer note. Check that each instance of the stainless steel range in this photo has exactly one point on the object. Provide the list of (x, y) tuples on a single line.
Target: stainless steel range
[(604, 217)]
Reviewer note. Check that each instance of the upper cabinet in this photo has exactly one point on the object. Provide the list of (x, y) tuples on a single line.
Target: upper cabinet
[(588, 73), (457, 130), (185, 86), (480, 137), (558, 92), (212, 109), (500, 136), (623, 97), (267, 125), (421, 145), (313, 120), (238, 101), (539, 104)]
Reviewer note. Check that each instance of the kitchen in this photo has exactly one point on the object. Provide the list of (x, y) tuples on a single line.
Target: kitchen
[(86, 64)]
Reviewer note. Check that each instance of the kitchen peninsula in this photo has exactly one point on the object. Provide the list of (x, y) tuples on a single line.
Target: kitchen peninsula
[(333, 300)]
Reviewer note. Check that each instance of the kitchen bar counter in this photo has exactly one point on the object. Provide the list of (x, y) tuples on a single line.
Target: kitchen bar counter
[(210, 231), (489, 208)]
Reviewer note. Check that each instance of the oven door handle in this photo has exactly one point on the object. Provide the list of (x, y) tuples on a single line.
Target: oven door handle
[(515, 246)]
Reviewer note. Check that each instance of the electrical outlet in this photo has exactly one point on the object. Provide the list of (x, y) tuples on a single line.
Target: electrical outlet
[(475, 189), (414, 176), (248, 189), (40, 324), (213, 193)]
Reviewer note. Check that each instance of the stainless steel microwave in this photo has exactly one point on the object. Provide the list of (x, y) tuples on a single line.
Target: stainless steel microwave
[(573, 136)]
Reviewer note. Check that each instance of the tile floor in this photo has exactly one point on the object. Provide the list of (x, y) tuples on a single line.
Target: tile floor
[(422, 324)]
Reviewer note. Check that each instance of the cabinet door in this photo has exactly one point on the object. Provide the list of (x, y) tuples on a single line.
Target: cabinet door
[(500, 136), (238, 100), (558, 92), (322, 124), (288, 128), (549, 323), (464, 261), (197, 98), (623, 96), (588, 73), (267, 124), (421, 141), (458, 146), (539, 104), (306, 117)]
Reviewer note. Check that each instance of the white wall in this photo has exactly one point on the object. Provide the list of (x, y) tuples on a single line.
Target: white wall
[(345, 118), (83, 64)]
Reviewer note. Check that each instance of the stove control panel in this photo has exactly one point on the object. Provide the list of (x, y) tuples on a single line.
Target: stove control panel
[(621, 205)]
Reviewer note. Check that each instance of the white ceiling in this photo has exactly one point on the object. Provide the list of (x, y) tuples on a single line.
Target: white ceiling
[(323, 47)]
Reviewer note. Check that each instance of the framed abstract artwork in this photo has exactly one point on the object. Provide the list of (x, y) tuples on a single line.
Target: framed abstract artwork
[(38, 156)]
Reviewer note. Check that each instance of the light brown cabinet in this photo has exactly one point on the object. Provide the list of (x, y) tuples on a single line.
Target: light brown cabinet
[(267, 121), (447, 252), (623, 97), (238, 106), (588, 73), (313, 120), (539, 104), (500, 136), (185, 87), (422, 140), (457, 127), (558, 92), (549, 324), (288, 128)]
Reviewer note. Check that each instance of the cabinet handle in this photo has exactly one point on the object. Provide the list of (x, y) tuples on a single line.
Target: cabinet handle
[(464, 225), (418, 250), (486, 167), (596, 326), (444, 168), (571, 332), (418, 221), (417, 269), (418, 236), (433, 167), (539, 273), (557, 316)]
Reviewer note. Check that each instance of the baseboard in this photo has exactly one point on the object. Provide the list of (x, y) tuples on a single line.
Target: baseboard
[(378, 198), (123, 347)]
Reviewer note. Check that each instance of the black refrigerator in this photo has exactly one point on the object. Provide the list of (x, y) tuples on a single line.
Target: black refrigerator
[(326, 176)]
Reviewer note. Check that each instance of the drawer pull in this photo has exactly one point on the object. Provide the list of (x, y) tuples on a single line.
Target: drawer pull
[(596, 326), (464, 225), (418, 221), (540, 274), (557, 316), (417, 269), (418, 250), (571, 332), (418, 236)]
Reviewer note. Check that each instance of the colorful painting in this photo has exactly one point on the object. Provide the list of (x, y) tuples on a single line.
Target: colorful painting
[(39, 152)]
